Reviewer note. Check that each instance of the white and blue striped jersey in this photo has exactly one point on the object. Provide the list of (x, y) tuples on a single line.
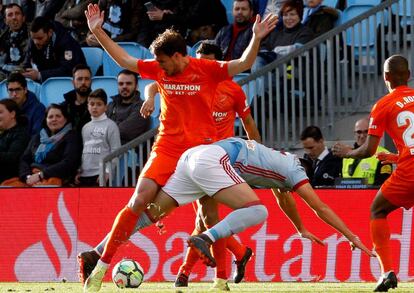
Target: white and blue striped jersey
[(261, 166)]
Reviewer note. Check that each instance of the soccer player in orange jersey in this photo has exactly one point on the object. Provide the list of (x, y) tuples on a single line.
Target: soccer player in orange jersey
[(394, 114), (229, 101), (187, 86)]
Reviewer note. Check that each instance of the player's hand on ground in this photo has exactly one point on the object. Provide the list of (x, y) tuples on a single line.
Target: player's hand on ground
[(311, 237), (355, 242), (387, 158), (262, 28), (340, 149), (94, 16), (147, 107)]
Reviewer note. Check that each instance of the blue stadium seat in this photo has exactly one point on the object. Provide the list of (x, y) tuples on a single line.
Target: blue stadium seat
[(54, 88), (194, 48), (406, 15), (228, 4), (108, 83), (330, 3), (367, 42), (110, 68), (93, 58), (361, 2), (32, 86)]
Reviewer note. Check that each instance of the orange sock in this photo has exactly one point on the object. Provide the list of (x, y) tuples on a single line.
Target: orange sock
[(122, 229), (235, 247), (380, 235), (190, 259), (218, 250)]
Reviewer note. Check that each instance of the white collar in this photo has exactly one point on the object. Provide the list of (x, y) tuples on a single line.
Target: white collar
[(100, 118), (323, 154)]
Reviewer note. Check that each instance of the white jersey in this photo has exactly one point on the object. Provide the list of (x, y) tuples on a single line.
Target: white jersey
[(207, 169), (261, 166)]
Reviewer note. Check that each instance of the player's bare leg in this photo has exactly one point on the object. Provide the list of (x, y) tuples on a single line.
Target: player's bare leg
[(380, 235)]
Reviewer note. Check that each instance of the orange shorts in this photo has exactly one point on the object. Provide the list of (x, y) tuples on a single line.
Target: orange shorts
[(399, 192), (159, 166)]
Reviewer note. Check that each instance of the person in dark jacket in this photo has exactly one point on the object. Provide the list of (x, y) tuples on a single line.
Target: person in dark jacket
[(319, 18), (27, 101), (234, 38), (123, 19), (76, 100), (52, 51), (13, 138), (14, 40), (326, 167), (53, 156), (125, 107)]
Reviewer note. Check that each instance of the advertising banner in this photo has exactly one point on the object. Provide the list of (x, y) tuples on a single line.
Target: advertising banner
[(43, 229)]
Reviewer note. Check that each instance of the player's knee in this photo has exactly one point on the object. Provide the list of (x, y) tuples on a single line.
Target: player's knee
[(260, 212)]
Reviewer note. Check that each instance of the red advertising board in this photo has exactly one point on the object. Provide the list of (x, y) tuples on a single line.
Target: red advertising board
[(42, 230)]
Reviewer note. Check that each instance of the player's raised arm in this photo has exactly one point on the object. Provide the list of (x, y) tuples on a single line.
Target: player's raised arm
[(326, 214), (288, 205), (260, 30), (366, 150), (95, 18)]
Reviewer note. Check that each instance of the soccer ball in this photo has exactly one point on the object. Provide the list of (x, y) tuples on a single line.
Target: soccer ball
[(127, 274)]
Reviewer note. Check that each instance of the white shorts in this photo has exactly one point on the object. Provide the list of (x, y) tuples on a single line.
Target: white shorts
[(201, 170)]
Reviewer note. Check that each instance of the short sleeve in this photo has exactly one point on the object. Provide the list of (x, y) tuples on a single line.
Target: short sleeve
[(148, 69)]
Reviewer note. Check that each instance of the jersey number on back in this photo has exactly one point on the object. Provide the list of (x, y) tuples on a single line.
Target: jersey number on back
[(404, 118)]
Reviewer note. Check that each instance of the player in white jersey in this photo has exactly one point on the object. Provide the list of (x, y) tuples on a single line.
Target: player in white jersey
[(223, 170)]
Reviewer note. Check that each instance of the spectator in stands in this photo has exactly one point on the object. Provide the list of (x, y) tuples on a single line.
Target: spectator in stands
[(234, 38), (369, 168), (100, 137), (27, 101), (326, 167), (125, 107), (13, 138), (162, 14), (286, 38), (46, 8), (205, 19), (122, 20), (76, 100), (52, 51), (72, 16), (14, 41), (318, 17), (53, 156), (265, 7)]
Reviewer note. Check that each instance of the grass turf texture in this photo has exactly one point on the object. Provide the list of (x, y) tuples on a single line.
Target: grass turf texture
[(204, 287)]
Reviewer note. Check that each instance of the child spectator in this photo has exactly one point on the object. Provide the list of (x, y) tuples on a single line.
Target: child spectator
[(100, 137)]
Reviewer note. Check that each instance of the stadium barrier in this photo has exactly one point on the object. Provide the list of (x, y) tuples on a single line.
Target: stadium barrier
[(43, 229)]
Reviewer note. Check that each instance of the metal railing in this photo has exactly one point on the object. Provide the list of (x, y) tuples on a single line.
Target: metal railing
[(332, 76)]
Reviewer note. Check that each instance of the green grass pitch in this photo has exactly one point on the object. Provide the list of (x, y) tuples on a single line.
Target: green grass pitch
[(204, 287)]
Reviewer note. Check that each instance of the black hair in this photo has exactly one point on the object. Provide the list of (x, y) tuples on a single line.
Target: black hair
[(12, 106), (41, 23), (99, 94), (128, 72), (17, 77), (81, 66), (311, 132), (208, 47)]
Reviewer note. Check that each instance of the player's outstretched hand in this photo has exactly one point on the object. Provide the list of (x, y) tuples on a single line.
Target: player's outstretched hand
[(262, 28), (94, 16), (340, 149), (311, 237), (387, 158), (356, 243)]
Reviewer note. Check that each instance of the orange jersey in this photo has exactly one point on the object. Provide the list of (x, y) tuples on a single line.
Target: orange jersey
[(186, 103), (394, 114), (230, 99)]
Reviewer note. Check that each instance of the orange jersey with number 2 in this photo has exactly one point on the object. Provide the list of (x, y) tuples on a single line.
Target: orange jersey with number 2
[(394, 114)]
